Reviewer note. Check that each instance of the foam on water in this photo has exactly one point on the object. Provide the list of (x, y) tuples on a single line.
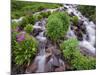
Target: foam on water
[(90, 29)]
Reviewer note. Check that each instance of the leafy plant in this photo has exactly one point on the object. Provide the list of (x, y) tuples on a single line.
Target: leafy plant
[(73, 56), (69, 47), (24, 50), (14, 25), (38, 17), (83, 63), (24, 22), (75, 20), (28, 28), (45, 14), (31, 19), (57, 25), (55, 29)]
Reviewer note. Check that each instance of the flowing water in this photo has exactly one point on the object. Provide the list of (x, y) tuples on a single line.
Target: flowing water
[(41, 57), (89, 43), (90, 29)]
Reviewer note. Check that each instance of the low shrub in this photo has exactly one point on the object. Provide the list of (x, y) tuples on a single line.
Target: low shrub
[(83, 63), (75, 20), (69, 47), (57, 25), (39, 17), (31, 19), (40, 8), (24, 22), (45, 14), (24, 47), (14, 25), (28, 28), (55, 29), (73, 56)]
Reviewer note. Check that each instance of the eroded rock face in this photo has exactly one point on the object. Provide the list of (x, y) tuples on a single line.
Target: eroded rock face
[(79, 34), (31, 68), (55, 63), (37, 31)]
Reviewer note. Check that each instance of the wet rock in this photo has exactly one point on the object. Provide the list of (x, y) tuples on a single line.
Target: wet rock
[(83, 29), (31, 68), (67, 67), (80, 22), (86, 52), (36, 31), (65, 8), (51, 67), (81, 26), (79, 34), (61, 66), (87, 37), (71, 14), (55, 61), (59, 69), (54, 51), (72, 27)]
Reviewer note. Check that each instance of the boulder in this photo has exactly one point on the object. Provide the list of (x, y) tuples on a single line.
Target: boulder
[(79, 34), (36, 32), (31, 68)]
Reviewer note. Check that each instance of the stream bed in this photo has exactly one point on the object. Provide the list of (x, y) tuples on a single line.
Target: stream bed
[(49, 59)]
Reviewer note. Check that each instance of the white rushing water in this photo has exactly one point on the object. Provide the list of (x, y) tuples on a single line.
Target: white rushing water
[(90, 29), (86, 43), (41, 63), (41, 57)]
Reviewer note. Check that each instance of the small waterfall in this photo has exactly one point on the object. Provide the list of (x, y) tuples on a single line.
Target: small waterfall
[(41, 57), (90, 29), (70, 33), (88, 39)]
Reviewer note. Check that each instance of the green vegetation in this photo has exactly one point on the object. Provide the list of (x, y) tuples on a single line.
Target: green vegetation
[(73, 56), (24, 22), (31, 19), (23, 50), (28, 28), (88, 11), (45, 14), (22, 8), (38, 17), (75, 20), (69, 47), (14, 25), (24, 46), (57, 25)]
